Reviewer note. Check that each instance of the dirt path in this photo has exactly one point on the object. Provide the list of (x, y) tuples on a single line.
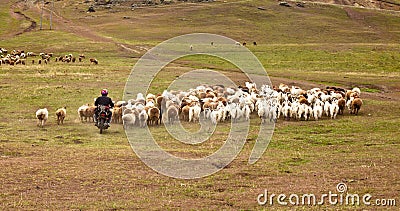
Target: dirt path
[(62, 24)]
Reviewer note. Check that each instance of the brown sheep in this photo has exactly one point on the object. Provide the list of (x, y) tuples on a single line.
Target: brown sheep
[(185, 113), (87, 112), (303, 100), (93, 61), (154, 116), (356, 106), (117, 115), (341, 104), (61, 113)]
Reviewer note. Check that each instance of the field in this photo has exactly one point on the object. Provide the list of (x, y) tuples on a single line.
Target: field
[(73, 167)]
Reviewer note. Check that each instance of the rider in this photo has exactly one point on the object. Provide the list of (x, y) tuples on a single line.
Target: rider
[(106, 101)]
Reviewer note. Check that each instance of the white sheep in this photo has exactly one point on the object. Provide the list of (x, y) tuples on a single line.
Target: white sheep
[(318, 109), (128, 120), (334, 109), (42, 115), (194, 113), (143, 116), (246, 112), (327, 108), (286, 110)]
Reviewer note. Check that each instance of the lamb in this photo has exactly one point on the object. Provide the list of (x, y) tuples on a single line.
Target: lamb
[(61, 113), (42, 115)]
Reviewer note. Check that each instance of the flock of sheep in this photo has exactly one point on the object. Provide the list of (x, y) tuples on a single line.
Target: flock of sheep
[(16, 57), (219, 104)]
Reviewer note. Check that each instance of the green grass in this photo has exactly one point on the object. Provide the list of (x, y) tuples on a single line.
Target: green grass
[(73, 167)]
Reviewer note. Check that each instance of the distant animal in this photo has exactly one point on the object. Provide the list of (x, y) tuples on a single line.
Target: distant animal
[(93, 61), (42, 115), (61, 113)]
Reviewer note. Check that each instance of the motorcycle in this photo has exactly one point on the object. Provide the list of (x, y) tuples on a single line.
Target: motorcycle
[(103, 117)]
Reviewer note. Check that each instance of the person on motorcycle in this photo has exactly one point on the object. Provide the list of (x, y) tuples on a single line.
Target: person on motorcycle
[(105, 101)]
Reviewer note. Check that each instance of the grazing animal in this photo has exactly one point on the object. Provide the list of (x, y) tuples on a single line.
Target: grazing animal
[(61, 113), (42, 115)]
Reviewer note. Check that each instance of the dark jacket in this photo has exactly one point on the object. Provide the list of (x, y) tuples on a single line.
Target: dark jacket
[(104, 100)]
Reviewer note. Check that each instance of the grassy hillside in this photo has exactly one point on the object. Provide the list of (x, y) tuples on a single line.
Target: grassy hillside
[(73, 167)]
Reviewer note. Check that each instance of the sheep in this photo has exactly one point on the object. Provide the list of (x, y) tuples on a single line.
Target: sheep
[(334, 109), (357, 90), (185, 113), (214, 116), (327, 108), (61, 113), (302, 111), (318, 110), (42, 115), (286, 110), (356, 105), (143, 117), (128, 120), (236, 112), (172, 114), (194, 113), (341, 104), (117, 115), (154, 116), (93, 61), (246, 112), (86, 112)]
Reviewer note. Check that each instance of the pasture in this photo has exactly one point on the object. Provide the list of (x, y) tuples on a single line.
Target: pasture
[(73, 167)]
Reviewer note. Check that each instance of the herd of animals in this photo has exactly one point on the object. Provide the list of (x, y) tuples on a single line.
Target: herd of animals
[(218, 104), (20, 57)]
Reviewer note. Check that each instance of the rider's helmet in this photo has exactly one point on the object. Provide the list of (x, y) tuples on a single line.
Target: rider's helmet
[(104, 92)]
